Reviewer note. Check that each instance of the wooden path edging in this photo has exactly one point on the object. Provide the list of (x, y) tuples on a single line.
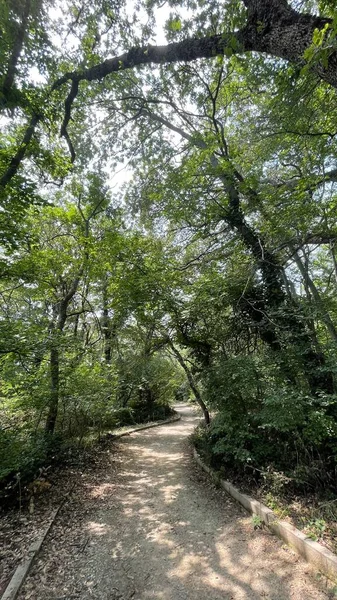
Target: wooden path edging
[(22, 570), (321, 558), (148, 426)]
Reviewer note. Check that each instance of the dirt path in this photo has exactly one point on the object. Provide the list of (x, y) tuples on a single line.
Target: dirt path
[(153, 528)]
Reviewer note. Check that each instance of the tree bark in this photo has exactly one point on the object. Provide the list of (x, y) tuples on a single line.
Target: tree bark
[(333, 257), (275, 28), (191, 381), (56, 328), (317, 298), (54, 388), (272, 27), (106, 326), (267, 306), (20, 154), (15, 55)]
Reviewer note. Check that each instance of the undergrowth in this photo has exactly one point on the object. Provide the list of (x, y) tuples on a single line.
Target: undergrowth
[(26, 454)]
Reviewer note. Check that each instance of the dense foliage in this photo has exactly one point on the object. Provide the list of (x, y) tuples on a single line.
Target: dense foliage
[(168, 228)]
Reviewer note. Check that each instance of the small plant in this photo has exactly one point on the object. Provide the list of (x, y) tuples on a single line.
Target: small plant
[(276, 505), (315, 529), (275, 481), (271, 501), (257, 522)]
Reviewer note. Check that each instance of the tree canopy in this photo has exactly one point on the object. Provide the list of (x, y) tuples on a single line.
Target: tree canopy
[(168, 225)]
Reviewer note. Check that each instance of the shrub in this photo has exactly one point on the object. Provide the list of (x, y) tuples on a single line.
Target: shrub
[(22, 454), (264, 425)]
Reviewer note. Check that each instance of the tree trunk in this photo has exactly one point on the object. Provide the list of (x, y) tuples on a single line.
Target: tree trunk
[(106, 327), (15, 55), (56, 328), (191, 381), (54, 388), (274, 28), (334, 261), (309, 284)]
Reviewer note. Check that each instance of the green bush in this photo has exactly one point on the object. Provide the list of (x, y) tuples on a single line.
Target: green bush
[(266, 427), (142, 412), (118, 418), (22, 454)]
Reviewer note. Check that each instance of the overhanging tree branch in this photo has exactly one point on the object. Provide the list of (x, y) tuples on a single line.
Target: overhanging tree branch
[(67, 116), (20, 153), (272, 28)]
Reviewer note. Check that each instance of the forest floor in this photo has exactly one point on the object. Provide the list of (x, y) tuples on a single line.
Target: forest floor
[(142, 522), (311, 514)]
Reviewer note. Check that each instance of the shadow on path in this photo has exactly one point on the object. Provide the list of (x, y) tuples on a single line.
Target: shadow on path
[(157, 530), (170, 538)]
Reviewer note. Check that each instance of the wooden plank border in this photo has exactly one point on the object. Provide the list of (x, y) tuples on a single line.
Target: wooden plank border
[(22, 570), (148, 426), (315, 554)]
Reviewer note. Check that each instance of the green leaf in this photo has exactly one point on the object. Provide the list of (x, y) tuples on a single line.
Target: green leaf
[(175, 24)]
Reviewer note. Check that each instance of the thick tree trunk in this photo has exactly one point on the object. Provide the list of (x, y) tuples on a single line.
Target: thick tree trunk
[(274, 28), (17, 159), (334, 260), (15, 55), (150, 400), (56, 328), (54, 389), (267, 305), (271, 312)]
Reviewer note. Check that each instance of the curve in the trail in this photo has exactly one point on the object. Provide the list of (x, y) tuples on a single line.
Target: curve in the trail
[(165, 533)]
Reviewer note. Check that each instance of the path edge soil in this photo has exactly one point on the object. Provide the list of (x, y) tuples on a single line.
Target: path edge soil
[(22, 571), (319, 557)]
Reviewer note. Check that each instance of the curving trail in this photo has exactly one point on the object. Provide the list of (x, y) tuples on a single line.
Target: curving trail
[(154, 529)]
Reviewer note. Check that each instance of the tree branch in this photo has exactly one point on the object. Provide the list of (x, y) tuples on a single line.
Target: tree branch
[(67, 116), (21, 152), (272, 28)]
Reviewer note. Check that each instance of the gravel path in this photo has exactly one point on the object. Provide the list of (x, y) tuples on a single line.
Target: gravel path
[(155, 528)]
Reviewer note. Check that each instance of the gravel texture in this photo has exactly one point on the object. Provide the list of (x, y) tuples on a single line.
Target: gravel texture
[(151, 526)]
